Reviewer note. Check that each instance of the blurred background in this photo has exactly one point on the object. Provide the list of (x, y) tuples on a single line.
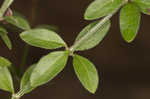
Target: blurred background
[(124, 69)]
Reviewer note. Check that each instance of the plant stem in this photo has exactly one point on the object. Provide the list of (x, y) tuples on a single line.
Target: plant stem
[(33, 12), (26, 48), (24, 58), (14, 96)]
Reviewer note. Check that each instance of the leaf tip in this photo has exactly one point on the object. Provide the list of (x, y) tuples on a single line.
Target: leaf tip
[(93, 91), (10, 47), (129, 39)]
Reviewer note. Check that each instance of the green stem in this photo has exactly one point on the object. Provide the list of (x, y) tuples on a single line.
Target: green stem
[(33, 12), (32, 21), (14, 96), (15, 72), (24, 58)]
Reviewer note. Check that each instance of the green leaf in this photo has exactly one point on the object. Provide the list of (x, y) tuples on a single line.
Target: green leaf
[(18, 20), (48, 27), (25, 86), (48, 67), (91, 41), (101, 8), (144, 5), (5, 6), (6, 83), (4, 62), (42, 38), (129, 21), (3, 34), (7, 41), (2, 30), (86, 72)]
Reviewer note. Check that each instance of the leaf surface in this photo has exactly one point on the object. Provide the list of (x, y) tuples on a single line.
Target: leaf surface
[(6, 82), (43, 38), (86, 72), (87, 41), (18, 20), (129, 21), (101, 8), (48, 67), (25, 86), (144, 5), (4, 62), (5, 38)]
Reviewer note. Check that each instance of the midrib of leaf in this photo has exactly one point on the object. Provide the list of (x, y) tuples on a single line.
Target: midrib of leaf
[(53, 42), (86, 71), (98, 30), (91, 32), (25, 88)]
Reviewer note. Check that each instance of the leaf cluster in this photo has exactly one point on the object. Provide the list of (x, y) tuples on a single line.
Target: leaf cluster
[(43, 36)]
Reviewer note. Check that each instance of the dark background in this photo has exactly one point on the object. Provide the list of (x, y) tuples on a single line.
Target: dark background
[(124, 68)]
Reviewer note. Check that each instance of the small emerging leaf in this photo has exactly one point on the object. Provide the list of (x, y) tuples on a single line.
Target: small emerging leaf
[(91, 40), (25, 86), (18, 20), (4, 62), (48, 67), (129, 21), (4, 36), (6, 83), (144, 5), (101, 8), (86, 73), (42, 38)]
